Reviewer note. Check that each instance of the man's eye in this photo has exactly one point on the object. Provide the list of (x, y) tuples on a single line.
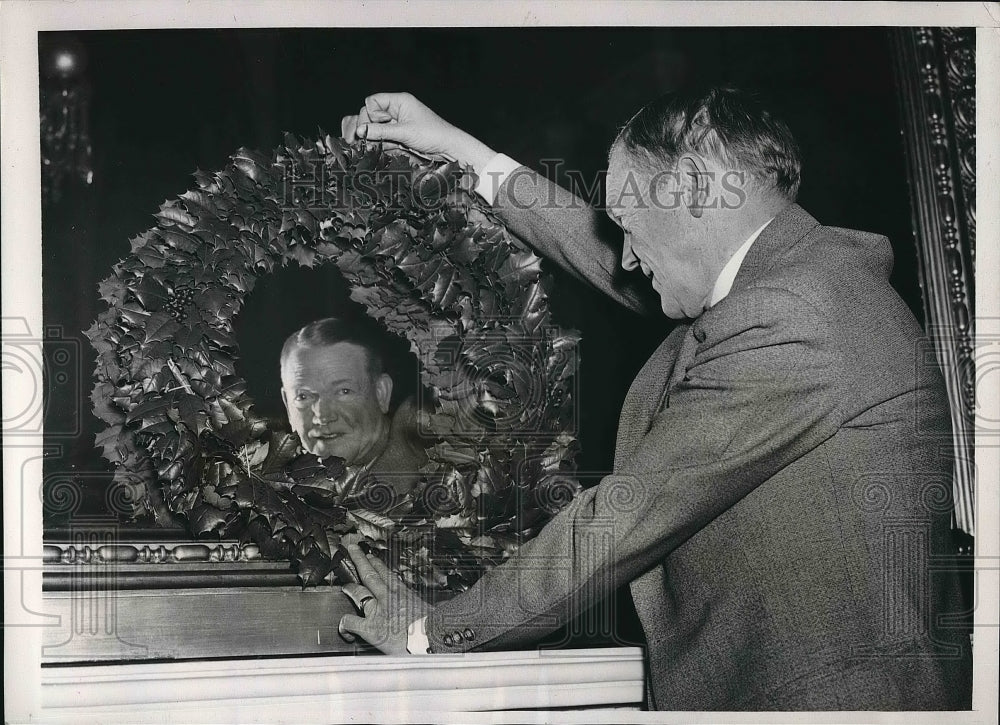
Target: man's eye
[(345, 391), (301, 397)]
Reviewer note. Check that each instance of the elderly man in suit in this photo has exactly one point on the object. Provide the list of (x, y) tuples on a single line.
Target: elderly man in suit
[(781, 458)]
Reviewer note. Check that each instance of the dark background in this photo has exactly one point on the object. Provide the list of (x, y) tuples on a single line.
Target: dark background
[(165, 103)]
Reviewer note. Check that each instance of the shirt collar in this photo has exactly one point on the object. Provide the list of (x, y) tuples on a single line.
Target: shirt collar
[(724, 282)]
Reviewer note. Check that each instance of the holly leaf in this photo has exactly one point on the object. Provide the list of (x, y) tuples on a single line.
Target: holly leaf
[(430, 185), (534, 313), (192, 412), (108, 441), (205, 519), (220, 338), (180, 240), (150, 257), (283, 448), (446, 288), (215, 300), (134, 314), (160, 327), (171, 213), (310, 466), (371, 524), (240, 426), (152, 405), (305, 256), (520, 268), (112, 290), (343, 568), (100, 398), (488, 481), (316, 495), (252, 164), (463, 252)]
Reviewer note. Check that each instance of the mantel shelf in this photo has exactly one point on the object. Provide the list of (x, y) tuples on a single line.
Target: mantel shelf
[(333, 689)]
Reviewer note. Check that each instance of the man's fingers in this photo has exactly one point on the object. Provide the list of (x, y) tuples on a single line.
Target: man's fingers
[(369, 576), (357, 593), (363, 116), (381, 569), (379, 115), (393, 104), (381, 131), (348, 127)]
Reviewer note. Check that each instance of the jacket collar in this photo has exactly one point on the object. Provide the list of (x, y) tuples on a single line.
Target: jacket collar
[(790, 225)]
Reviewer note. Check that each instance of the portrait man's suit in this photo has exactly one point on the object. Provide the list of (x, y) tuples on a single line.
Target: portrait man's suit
[(781, 479)]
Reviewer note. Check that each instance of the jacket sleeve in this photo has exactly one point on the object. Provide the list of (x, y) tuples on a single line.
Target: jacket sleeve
[(760, 391), (562, 227)]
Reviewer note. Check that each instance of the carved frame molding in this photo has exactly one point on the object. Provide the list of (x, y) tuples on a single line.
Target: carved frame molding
[(936, 80), (108, 557)]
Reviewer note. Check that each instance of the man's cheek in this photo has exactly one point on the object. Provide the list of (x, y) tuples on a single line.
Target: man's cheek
[(298, 422)]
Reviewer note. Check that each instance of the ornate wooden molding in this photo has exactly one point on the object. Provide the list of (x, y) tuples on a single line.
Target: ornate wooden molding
[(105, 557), (164, 553), (936, 77)]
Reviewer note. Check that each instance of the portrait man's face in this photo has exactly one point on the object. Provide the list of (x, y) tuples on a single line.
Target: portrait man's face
[(334, 402), (662, 237)]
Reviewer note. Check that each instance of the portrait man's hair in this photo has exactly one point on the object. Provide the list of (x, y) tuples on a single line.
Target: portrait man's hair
[(731, 125)]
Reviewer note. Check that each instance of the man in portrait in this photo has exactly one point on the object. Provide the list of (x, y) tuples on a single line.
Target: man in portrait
[(338, 389), (781, 458)]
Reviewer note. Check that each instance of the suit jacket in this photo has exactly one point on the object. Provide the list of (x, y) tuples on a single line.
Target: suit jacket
[(780, 494)]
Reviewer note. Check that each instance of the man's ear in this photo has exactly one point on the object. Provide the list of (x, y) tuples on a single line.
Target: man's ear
[(695, 176), (284, 398), (383, 391)]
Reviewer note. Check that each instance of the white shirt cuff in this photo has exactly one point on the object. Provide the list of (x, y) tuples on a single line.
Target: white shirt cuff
[(417, 642), (493, 174)]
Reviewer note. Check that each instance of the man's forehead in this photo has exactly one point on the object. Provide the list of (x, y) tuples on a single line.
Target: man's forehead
[(625, 183), (617, 167)]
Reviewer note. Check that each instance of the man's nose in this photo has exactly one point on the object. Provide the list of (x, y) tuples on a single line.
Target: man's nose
[(629, 260), (324, 409)]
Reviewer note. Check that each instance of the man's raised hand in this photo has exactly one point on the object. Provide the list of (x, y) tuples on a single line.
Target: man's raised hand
[(399, 118)]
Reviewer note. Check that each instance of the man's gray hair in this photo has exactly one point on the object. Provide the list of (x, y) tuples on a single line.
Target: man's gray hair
[(730, 125)]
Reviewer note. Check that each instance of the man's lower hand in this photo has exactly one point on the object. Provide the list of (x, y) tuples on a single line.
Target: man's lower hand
[(388, 610)]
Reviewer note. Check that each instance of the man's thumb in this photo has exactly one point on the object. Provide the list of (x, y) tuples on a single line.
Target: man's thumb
[(350, 625)]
